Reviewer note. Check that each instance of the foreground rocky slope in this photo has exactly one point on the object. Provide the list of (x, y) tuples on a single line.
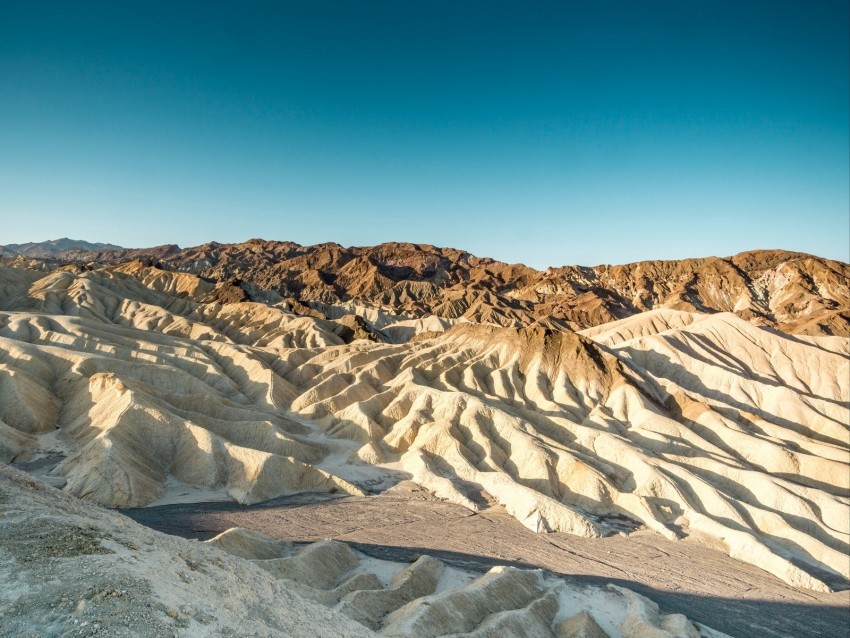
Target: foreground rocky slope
[(70, 568)]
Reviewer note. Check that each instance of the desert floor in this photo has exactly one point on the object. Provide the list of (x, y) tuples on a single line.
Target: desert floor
[(682, 576)]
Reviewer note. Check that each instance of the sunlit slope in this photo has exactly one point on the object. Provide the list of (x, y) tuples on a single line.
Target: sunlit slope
[(150, 299), (133, 407), (651, 322)]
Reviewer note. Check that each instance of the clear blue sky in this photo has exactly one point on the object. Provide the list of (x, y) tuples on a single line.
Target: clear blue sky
[(543, 132)]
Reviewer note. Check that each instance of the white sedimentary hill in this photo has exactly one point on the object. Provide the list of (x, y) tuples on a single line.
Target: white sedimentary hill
[(132, 378), (718, 429), (652, 322)]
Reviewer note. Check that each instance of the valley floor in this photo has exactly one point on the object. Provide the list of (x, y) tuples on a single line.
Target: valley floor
[(682, 576)]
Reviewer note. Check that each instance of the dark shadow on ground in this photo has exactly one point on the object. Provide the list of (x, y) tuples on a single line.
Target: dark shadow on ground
[(191, 520)]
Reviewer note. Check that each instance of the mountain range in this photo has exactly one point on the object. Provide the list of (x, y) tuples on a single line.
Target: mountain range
[(792, 292)]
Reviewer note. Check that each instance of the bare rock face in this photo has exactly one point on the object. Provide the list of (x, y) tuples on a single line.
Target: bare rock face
[(227, 292), (353, 327), (793, 292)]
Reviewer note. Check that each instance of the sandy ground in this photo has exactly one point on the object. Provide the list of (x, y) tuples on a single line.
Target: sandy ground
[(682, 576)]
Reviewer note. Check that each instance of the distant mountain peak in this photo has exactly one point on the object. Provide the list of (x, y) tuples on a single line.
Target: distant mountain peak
[(54, 247)]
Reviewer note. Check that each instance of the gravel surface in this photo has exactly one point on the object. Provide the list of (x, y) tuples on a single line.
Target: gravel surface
[(686, 576)]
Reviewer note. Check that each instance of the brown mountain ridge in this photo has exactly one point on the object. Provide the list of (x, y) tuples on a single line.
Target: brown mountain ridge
[(789, 291)]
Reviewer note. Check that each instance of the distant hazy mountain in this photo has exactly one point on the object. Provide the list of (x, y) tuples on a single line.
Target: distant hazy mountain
[(54, 248)]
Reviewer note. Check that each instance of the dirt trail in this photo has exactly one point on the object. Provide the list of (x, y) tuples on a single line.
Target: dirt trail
[(683, 576)]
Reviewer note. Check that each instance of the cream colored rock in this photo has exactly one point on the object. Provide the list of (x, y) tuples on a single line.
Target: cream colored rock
[(246, 543), (532, 621), (14, 444), (581, 625), (321, 565), (561, 432), (358, 583), (501, 589), (652, 322), (417, 580), (692, 425), (644, 620), (260, 548), (139, 406), (506, 602), (26, 404)]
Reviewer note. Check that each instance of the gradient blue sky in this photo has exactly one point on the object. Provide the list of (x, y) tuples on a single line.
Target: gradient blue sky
[(548, 133)]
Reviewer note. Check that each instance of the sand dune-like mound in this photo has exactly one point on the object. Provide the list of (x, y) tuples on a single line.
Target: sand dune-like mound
[(427, 599), (151, 299), (16, 280), (125, 381), (651, 322), (132, 408)]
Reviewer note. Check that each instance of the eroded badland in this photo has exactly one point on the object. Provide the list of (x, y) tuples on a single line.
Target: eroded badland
[(654, 449)]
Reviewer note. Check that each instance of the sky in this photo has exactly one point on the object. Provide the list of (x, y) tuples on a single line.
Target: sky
[(546, 133)]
